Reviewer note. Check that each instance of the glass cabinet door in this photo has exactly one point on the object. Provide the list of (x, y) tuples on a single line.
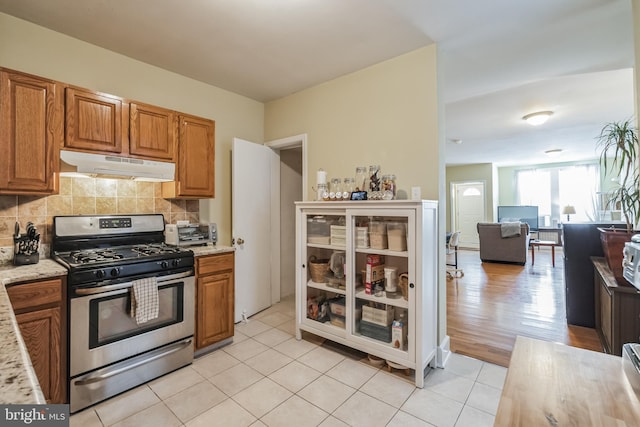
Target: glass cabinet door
[(324, 278), (383, 256)]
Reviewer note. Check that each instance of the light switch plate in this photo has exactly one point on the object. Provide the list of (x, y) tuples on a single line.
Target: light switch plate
[(415, 193)]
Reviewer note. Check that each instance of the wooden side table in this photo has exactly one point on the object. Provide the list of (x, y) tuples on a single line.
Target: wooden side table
[(538, 243)]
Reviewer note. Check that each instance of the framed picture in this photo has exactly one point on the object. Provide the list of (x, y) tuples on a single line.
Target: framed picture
[(358, 195)]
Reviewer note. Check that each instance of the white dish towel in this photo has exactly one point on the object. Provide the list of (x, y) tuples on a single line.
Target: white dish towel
[(145, 303)]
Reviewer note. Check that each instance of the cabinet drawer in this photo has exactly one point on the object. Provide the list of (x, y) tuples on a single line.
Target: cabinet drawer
[(214, 263), (35, 294)]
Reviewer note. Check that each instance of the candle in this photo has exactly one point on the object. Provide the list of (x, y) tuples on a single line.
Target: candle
[(321, 177)]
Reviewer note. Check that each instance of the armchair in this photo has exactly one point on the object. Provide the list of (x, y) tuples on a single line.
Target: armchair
[(495, 248)]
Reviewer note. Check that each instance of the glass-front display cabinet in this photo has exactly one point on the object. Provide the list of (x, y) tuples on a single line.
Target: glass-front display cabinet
[(366, 278)]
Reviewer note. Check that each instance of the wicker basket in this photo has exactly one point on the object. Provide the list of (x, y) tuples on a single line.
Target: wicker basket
[(319, 269)]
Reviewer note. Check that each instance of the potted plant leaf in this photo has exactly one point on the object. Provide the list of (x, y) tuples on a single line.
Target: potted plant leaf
[(618, 144)]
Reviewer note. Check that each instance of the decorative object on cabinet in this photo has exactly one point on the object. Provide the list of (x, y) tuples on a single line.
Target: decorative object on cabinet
[(31, 131), (40, 310), (618, 142), (367, 318)]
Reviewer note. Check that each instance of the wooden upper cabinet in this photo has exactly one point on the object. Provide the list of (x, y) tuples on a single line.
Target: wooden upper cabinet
[(152, 132), (195, 166), (31, 130), (94, 122)]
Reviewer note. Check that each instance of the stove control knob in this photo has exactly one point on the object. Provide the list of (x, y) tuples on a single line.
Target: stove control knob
[(115, 272), (175, 262), (100, 274), (164, 264)]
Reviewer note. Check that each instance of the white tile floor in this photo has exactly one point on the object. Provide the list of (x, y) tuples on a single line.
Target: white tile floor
[(268, 378)]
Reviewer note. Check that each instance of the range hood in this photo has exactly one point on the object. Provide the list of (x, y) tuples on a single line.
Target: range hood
[(108, 166)]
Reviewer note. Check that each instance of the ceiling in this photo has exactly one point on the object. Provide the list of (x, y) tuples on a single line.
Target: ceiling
[(500, 59)]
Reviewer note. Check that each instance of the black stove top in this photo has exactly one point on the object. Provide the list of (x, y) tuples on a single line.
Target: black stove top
[(121, 254), (103, 250)]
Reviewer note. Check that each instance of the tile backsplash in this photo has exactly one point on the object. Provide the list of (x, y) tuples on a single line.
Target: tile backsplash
[(90, 196)]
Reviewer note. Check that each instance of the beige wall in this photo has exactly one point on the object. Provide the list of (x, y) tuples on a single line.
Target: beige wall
[(480, 172), (36, 50), (388, 114), (385, 115)]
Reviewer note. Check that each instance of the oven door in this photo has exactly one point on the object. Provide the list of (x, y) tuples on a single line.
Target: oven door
[(102, 330)]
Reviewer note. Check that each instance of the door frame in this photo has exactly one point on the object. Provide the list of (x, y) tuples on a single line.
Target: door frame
[(454, 200), (277, 145)]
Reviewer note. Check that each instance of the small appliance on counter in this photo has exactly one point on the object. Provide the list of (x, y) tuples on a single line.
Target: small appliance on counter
[(184, 233), (631, 364), (631, 261), (26, 246)]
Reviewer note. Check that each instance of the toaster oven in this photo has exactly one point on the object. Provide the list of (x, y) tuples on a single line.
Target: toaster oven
[(631, 261), (190, 234)]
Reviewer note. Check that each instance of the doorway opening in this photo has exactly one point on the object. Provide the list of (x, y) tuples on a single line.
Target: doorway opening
[(468, 207), (289, 166)]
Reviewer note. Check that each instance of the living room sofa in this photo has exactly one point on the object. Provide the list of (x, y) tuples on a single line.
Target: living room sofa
[(496, 248)]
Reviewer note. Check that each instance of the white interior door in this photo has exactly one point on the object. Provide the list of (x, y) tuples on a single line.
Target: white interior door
[(251, 226), (469, 209)]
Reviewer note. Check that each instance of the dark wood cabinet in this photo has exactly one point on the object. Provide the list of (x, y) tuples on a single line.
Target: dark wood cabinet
[(195, 166), (617, 309), (94, 121), (40, 310), (214, 299), (31, 130), (152, 132)]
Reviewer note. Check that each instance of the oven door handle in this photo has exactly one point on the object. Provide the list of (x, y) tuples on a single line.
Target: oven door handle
[(109, 372), (107, 288)]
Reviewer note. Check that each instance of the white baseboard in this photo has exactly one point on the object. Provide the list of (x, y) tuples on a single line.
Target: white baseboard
[(443, 353)]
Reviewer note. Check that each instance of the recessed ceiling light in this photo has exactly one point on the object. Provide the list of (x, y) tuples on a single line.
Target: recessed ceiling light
[(553, 153), (537, 118)]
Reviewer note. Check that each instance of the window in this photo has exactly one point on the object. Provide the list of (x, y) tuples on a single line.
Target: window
[(552, 188)]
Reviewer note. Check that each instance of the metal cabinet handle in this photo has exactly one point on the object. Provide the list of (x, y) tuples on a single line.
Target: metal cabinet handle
[(240, 241), (109, 372)]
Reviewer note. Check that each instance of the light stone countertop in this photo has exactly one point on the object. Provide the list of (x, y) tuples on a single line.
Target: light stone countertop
[(210, 250), (19, 384)]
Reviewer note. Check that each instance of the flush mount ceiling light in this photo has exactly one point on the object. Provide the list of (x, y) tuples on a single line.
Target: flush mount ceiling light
[(553, 153), (537, 118)]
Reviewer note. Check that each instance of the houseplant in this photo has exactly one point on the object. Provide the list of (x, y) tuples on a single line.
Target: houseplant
[(618, 144)]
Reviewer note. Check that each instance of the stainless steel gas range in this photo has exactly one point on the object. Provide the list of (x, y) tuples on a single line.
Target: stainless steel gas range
[(111, 349)]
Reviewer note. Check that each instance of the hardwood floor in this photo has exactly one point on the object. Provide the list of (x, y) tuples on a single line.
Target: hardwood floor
[(493, 303)]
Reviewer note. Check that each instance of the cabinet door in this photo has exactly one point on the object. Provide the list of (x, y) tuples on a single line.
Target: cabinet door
[(31, 128), (606, 303), (215, 308), (322, 303), (383, 254), (93, 122), (152, 132), (196, 160), (40, 331)]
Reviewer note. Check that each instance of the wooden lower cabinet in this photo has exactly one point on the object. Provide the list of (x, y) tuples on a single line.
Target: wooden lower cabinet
[(214, 299), (617, 309), (41, 314)]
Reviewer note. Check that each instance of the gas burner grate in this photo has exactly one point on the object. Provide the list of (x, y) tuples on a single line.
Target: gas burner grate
[(156, 249), (95, 255)]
